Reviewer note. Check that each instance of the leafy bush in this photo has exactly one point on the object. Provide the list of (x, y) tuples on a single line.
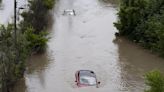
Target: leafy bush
[(12, 57), (155, 80), (143, 22), (35, 23), (49, 4), (37, 16), (37, 42), (31, 37)]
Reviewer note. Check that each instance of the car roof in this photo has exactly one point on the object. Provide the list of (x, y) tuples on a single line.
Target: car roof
[(87, 73), (69, 10)]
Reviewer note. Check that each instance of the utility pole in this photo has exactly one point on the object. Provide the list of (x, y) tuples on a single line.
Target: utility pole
[(15, 31), (15, 22)]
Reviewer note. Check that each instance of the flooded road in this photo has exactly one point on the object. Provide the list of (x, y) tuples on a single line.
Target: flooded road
[(87, 41)]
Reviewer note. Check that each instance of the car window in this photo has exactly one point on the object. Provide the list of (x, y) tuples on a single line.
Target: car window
[(87, 80), (87, 73), (69, 12)]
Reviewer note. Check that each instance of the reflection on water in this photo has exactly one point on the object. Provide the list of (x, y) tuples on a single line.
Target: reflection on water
[(37, 63), (135, 62), (20, 86), (36, 67), (114, 2), (86, 42)]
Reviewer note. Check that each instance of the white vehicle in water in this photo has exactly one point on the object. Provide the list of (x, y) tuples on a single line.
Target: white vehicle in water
[(69, 12), (86, 78)]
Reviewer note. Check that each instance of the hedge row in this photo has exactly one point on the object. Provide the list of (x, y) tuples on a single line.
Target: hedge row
[(143, 22), (31, 37)]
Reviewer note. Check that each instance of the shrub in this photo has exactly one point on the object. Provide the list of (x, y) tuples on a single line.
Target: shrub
[(49, 4), (31, 37), (35, 23), (155, 80), (12, 57), (37, 42), (143, 21)]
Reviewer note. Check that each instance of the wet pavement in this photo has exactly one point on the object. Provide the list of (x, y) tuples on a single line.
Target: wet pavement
[(87, 41)]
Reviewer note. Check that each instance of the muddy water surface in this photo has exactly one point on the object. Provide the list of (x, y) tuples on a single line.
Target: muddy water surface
[(87, 41)]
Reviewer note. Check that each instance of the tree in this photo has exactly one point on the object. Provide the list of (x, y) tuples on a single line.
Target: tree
[(143, 22), (12, 66)]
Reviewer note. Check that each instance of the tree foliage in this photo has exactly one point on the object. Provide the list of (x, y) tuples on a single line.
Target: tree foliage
[(31, 37), (37, 41), (12, 57), (143, 22), (35, 23)]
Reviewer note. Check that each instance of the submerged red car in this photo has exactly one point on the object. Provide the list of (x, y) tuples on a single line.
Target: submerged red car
[(86, 78)]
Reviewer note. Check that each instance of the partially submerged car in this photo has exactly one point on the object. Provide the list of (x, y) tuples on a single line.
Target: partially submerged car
[(69, 12), (86, 78)]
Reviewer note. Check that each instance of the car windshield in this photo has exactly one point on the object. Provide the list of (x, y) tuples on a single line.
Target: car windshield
[(88, 80), (69, 12)]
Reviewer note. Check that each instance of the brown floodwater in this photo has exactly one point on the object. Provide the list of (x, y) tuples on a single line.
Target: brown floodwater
[(87, 41)]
